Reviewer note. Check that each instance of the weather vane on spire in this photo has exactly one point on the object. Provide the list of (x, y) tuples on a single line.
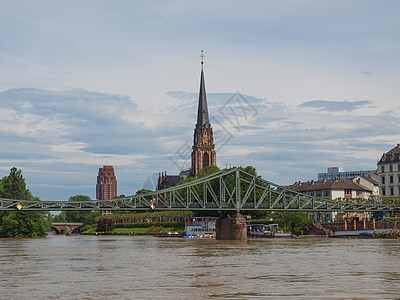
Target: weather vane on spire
[(202, 56)]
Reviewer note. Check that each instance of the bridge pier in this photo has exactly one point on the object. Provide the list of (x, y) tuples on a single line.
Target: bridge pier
[(228, 228)]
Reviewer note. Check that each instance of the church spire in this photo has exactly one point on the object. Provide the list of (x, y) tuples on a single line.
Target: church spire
[(203, 154), (202, 113)]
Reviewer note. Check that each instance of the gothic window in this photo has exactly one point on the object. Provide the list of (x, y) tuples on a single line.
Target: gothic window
[(206, 160)]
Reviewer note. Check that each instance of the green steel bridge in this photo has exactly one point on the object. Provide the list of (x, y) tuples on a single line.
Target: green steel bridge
[(226, 190)]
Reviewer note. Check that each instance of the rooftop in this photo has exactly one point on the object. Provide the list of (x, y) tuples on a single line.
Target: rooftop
[(326, 185), (391, 156)]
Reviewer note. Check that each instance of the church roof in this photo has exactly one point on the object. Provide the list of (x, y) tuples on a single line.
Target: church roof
[(202, 113)]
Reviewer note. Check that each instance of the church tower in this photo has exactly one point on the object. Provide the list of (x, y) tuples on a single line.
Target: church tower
[(203, 154)]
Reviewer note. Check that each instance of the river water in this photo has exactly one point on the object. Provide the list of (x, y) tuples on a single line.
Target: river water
[(124, 267)]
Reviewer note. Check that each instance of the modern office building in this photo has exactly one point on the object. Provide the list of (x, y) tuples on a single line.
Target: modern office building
[(106, 187), (337, 172), (389, 173)]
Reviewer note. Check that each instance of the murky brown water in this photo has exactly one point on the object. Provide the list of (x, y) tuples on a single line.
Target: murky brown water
[(93, 267)]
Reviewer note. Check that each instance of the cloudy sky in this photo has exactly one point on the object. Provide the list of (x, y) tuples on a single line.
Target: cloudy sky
[(293, 87)]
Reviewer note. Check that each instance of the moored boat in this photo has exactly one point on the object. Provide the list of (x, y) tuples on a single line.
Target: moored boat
[(169, 234), (200, 227), (266, 231)]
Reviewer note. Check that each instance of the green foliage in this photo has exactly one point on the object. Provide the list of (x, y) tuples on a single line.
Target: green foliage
[(120, 196), (143, 191), (14, 187), (86, 228), (207, 171), (20, 223), (149, 224), (105, 225), (85, 217), (293, 221), (258, 215), (260, 221), (152, 216)]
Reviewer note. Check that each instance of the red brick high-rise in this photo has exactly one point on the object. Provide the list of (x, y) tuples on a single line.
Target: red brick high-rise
[(106, 187)]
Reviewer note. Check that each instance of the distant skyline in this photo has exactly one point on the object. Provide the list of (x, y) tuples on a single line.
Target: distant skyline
[(293, 87)]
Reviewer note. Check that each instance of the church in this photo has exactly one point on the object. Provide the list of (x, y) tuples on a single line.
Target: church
[(203, 150)]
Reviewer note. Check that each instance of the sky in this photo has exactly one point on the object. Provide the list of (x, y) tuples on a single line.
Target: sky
[(293, 87)]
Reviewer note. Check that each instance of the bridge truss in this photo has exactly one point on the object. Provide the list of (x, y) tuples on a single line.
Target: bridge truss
[(226, 190)]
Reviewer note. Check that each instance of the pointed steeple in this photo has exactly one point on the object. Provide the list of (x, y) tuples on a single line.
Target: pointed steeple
[(202, 113), (203, 154)]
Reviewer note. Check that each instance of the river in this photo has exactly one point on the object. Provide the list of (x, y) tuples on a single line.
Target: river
[(125, 267)]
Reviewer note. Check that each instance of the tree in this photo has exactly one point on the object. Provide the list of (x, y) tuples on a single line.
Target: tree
[(85, 217), (293, 221), (20, 223), (143, 191), (105, 225), (207, 171)]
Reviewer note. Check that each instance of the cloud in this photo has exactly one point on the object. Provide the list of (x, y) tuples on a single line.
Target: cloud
[(60, 138), (332, 106)]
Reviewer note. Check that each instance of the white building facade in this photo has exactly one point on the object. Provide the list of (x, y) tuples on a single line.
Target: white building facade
[(389, 173)]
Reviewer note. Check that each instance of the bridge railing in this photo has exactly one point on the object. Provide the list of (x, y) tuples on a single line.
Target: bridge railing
[(225, 190)]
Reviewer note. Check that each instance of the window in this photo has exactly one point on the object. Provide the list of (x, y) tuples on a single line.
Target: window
[(391, 178), (390, 168), (383, 191), (327, 193), (383, 179), (391, 191), (319, 193), (347, 192), (382, 169), (398, 167)]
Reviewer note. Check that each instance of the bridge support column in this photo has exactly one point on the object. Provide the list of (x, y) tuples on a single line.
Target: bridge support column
[(228, 228)]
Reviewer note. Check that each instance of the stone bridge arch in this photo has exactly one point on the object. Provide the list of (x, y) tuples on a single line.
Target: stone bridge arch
[(63, 228)]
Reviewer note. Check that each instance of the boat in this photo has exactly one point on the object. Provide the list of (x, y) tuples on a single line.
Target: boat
[(266, 231), (169, 234), (200, 227)]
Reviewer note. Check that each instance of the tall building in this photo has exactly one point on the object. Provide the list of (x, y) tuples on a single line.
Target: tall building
[(389, 173), (203, 150), (106, 187), (203, 154)]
